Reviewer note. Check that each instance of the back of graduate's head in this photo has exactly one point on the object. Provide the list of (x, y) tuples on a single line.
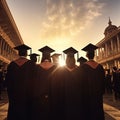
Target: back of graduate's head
[(22, 52), (90, 50), (33, 57), (90, 54), (46, 57), (70, 60), (81, 60), (55, 57), (22, 49)]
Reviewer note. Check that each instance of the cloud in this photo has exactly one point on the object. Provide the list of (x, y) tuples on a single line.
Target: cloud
[(69, 17)]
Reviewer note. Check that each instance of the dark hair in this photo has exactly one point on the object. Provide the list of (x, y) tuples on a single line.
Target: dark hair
[(33, 58), (22, 53), (70, 62), (90, 54)]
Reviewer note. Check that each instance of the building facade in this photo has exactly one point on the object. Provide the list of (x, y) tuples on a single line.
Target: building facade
[(9, 35), (108, 53)]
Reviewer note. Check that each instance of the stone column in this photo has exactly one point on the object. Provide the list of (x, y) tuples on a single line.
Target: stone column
[(98, 53), (106, 50), (107, 66), (115, 63), (111, 43), (118, 43)]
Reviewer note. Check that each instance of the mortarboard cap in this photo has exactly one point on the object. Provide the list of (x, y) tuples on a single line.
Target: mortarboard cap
[(81, 59), (90, 48), (46, 49), (34, 55), (55, 55), (46, 52), (70, 52), (22, 47)]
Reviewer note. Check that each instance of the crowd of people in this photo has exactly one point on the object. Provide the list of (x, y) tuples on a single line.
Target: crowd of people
[(47, 91), (112, 82)]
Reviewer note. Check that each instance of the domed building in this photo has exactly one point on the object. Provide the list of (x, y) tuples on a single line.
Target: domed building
[(108, 53), (111, 28)]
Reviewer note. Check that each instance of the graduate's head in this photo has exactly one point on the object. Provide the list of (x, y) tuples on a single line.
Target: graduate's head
[(90, 50), (46, 51), (70, 59), (55, 57), (81, 60), (33, 57), (90, 54), (22, 49)]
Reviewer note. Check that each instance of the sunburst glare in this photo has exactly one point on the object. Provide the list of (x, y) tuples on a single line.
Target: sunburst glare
[(61, 62)]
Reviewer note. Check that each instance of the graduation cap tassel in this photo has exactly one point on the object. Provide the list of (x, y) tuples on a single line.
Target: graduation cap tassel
[(38, 59), (77, 55)]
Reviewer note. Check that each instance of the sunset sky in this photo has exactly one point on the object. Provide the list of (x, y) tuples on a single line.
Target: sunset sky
[(63, 23)]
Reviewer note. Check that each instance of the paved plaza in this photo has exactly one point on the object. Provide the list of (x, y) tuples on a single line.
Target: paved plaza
[(111, 107)]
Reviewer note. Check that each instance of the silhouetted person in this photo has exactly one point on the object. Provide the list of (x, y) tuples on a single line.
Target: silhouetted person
[(116, 82), (42, 85), (108, 82), (65, 90), (55, 59), (92, 77), (81, 60), (19, 80), (33, 57)]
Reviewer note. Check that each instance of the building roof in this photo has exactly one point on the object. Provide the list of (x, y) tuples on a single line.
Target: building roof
[(110, 28), (8, 25)]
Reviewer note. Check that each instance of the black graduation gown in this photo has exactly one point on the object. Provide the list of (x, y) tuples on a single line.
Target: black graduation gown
[(65, 99), (92, 89), (19, 80), (41, 92)]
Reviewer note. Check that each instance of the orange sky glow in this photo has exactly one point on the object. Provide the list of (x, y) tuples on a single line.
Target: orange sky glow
[(63, 23)]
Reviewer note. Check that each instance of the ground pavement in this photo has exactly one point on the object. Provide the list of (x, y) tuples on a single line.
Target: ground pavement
[(111, 107)]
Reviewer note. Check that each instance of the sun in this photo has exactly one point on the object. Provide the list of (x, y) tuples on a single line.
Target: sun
[(61, 62)]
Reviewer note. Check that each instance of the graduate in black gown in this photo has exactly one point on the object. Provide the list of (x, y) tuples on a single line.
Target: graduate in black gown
[(92, 77), (41, 88), (65, 90), (19, 80)]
